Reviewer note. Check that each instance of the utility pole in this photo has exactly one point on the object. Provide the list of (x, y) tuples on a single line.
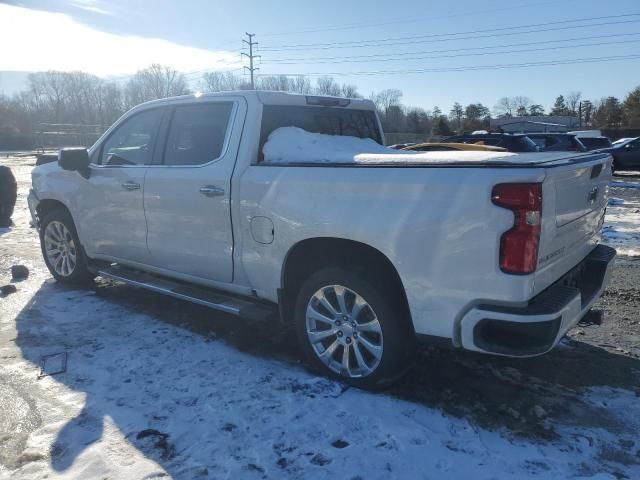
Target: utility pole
[(251, 56), (580, 114)]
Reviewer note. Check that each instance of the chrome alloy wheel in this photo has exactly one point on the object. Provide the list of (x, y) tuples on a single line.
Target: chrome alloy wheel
[(60, 248), (344, 331)]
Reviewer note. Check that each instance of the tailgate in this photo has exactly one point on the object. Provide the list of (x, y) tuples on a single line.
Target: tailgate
[(574, 199)]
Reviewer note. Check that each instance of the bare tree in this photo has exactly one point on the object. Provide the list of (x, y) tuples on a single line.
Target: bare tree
[(220, 82), (301, 84), (156, 81), (521, 103), (349, 91), (327, 86), (572, 100), (279, 83), (386, 99), (505, 107)]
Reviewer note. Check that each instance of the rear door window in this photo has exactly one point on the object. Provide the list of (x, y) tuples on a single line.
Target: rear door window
[(197, 133)]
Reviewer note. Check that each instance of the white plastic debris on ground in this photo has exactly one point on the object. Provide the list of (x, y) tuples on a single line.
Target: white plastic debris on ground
[(295, 145)]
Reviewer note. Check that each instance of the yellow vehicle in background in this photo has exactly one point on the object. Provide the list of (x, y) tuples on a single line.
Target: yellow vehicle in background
[(443, 146)]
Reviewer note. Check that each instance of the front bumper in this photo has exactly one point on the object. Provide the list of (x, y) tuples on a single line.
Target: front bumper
[(33, 201), (535, 328)]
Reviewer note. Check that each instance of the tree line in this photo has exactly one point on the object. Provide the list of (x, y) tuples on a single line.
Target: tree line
[(56, 97)]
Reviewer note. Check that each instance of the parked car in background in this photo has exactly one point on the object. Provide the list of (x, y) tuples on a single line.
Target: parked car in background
[(622, 140), (400, 146), (557, 142), (512, 142), (8, 194), (442, 147), (626, 154), (596, 143)]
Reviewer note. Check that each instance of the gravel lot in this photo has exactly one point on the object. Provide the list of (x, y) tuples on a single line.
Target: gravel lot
[(124, 408)]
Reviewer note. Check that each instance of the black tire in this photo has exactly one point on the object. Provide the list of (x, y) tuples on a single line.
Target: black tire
[(398, 338), (80, 274), (615, 166), (8, 195)]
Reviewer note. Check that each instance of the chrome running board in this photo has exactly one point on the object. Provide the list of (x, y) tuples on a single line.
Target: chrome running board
[(215, 299)]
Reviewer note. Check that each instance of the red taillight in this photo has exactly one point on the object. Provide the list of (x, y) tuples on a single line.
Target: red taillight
[(519, 245)]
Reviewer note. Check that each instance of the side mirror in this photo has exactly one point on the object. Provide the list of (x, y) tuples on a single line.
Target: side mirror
[(74, 159)]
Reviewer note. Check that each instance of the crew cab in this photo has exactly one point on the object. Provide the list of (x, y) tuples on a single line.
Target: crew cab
[(256, 203)]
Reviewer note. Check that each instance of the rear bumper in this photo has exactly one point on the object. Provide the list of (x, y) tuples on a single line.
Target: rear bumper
[(535, 328)]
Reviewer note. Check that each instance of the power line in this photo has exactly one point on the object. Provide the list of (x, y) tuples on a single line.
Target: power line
[(525, 50), (333, 28), (438, 37), (472, 67), (284, 61)]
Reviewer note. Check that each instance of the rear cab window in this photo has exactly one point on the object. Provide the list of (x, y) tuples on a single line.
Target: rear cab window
[(328, 120), (524, 144), (541, 142)]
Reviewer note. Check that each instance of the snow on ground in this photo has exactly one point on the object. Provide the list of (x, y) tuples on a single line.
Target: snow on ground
[(621, 229), (143, 397), (295, 145), (624, 184)]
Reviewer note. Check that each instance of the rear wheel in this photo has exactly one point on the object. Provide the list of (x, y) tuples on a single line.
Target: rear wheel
[(615, 166), (61, 249), (351, 330)]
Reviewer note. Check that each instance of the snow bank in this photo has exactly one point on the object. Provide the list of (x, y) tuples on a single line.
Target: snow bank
[(621, 228), (295, 145)]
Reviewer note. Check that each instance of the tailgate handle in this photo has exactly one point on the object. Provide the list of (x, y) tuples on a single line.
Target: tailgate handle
[(596, 170)]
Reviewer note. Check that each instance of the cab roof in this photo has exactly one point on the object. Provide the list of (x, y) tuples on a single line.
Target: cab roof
[(267, 97)]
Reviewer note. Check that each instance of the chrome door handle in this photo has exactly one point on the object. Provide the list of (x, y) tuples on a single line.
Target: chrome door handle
[(131, 186), (211, 191)]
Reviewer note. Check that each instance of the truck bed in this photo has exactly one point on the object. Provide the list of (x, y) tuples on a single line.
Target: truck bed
[(294, 146)]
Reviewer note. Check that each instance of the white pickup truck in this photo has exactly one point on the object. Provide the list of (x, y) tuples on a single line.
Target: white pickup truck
[(363, 252)]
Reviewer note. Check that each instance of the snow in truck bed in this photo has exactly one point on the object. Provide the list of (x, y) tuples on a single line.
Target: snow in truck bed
[(295, 145), (292, 145)]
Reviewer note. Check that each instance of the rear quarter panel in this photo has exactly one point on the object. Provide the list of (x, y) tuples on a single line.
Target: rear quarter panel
[(437, 226)]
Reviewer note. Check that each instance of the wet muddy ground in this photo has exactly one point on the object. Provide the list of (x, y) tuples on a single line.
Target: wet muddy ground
[(528, 398)]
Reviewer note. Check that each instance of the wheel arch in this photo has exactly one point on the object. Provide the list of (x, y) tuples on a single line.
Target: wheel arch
[(48, 205), (310, 254)]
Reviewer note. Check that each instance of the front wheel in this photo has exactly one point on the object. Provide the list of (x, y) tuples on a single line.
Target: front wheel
[(61, 249), (351, 329)]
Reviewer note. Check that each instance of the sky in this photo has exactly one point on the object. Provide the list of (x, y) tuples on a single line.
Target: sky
[(436, 53)]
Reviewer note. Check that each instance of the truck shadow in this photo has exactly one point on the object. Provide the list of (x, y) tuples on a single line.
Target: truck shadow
[(527, 397)]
